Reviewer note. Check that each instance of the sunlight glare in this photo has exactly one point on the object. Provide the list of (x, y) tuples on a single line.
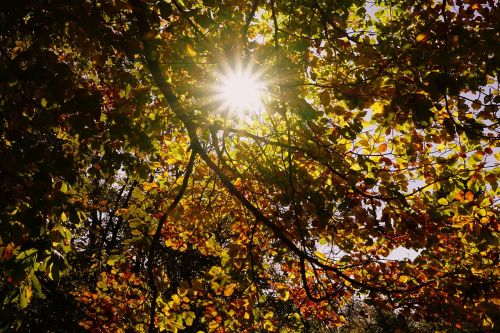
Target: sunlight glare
[(240, 91)]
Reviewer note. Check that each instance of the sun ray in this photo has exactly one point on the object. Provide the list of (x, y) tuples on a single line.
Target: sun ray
[(240, 90)]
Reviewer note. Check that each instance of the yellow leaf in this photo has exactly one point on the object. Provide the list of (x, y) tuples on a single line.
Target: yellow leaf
[(188, 317), (269, 315), (214, 271), (113, 259), (190, 50), (268, 326), (182, 291), (422, 38), (172, 160), (487, 322), (377, 108), (404, 279), (213, 325), (149, 186), (215, 287), (64, 218), (285, 294), (176, 299), (443, 201), (476, 271)]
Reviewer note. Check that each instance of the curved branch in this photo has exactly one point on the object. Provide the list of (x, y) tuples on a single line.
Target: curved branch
[(154, 67), (157, 236)]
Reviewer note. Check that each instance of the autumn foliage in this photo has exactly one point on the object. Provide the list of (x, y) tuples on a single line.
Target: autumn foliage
[(131, 201)]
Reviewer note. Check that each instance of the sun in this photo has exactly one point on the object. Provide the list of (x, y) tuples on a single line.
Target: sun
[(240, 90)]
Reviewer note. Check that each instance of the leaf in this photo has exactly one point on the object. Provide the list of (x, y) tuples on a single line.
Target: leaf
[(307, 112), (113, 259), (382, 147), (229, 290), (36, 283), (189, 317), (487, 322), (182, 291), (177, 152), (285, 294), (422, 38), (377, 131), (476, 104), (25, 297), (404, 279), (190, 50), (24, 254), (377, 108), (324, 97), (443, 201), (149, 186), (63, 187), (122, 211)]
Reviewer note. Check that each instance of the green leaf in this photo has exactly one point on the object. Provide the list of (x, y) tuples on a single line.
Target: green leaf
[(25, 296)]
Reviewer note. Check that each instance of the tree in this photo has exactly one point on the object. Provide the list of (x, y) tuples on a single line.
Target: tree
[(135, 198), (361, 317)]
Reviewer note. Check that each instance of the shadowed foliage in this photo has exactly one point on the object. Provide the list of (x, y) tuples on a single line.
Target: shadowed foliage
[(133, 199)]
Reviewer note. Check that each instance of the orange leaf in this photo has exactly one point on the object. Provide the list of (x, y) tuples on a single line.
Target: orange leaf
[(459, 197), (382, 147), (229, 290)]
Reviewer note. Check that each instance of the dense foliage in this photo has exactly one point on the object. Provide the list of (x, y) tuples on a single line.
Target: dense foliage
[(131, 201)]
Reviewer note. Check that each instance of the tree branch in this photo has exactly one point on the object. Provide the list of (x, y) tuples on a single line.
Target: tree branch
[(255, 5), (157, 236), (152, 61)]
